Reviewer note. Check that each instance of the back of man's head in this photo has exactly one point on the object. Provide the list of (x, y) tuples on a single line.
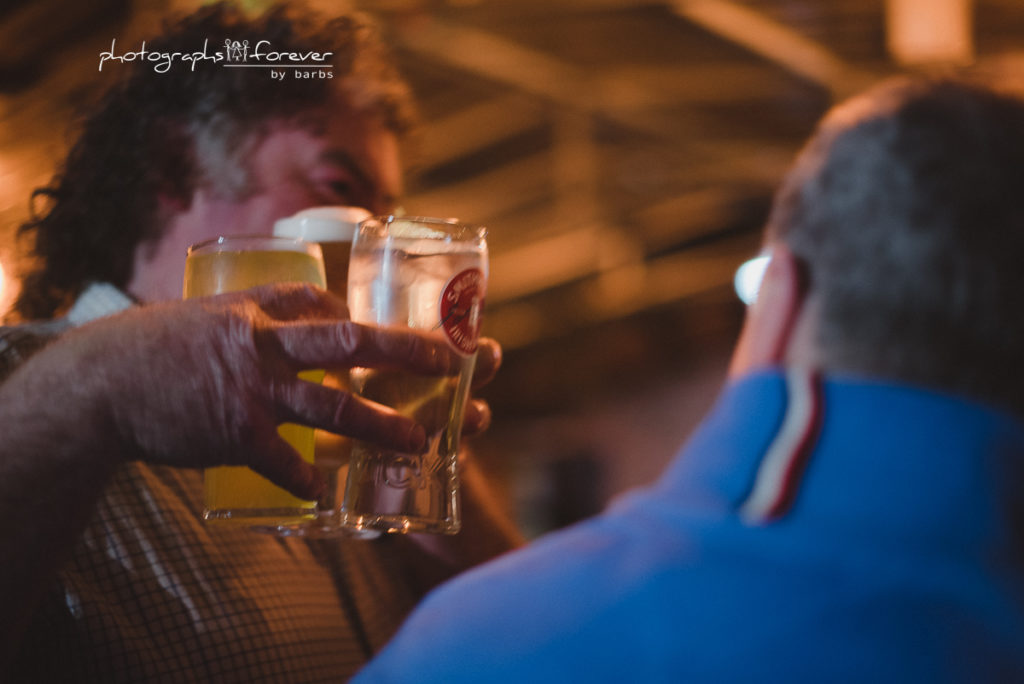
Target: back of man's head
[(164, 127), (907, 209)]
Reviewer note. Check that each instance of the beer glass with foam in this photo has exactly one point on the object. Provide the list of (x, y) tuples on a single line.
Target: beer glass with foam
[(332, 228)]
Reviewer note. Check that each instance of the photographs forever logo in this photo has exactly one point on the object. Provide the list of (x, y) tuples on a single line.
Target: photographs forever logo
[(234, 54)]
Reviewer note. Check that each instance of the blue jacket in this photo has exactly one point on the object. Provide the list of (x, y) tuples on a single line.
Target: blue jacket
[(899, 557)]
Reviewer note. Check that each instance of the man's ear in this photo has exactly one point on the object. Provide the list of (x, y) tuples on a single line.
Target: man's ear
[(772, 318)]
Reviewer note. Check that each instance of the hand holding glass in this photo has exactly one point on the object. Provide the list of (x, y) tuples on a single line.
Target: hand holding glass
[(426, 274), (236, 494)]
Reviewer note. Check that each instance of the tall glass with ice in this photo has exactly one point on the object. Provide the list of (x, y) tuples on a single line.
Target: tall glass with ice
[(428, 274)]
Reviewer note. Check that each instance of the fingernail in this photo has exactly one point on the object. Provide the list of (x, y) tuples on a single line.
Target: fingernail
[(483, 410), (495, 353)]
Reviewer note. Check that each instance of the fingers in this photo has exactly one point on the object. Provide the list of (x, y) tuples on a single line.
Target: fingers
[(335, 344), (477, 417), (309, 342), (317, 344), (282, 465), (345, 413), (298, 301), (488, 361)]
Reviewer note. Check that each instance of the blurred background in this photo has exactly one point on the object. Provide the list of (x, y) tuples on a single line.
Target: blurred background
[(621, 152)]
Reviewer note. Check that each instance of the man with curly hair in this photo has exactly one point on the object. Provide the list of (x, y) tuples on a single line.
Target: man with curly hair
[(205, 147), (109, 572)]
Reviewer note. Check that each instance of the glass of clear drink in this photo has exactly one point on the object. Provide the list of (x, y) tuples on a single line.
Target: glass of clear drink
[(236, 494), (332, 227), (427, 274)]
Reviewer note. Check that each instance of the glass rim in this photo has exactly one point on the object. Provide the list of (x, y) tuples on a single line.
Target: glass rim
[(467, 232), (247, 242)]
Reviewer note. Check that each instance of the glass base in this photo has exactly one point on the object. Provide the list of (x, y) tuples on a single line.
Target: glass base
[(259, 516), (397, 524), (326, 525)]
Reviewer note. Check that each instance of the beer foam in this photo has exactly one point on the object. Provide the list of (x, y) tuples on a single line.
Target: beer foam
[(322, 224)]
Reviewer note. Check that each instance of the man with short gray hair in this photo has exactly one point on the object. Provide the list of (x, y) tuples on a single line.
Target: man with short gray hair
[(850, 509)]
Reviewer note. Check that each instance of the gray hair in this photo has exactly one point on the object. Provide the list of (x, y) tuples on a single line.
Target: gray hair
[(143, 139), (907, 209)]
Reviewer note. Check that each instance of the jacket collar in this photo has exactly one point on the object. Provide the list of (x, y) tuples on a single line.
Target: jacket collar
[(96, 301)]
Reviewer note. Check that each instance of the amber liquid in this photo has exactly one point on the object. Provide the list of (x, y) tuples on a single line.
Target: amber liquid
[(236, 494), (336, 257), (332, 451)]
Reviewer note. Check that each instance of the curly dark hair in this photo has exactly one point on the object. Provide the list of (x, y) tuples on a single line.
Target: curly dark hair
[(139, 141)]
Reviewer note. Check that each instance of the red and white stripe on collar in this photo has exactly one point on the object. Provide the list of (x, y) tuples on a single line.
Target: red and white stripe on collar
[(782, 467)]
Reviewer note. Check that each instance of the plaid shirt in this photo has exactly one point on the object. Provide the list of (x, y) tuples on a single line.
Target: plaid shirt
[(152, 594)]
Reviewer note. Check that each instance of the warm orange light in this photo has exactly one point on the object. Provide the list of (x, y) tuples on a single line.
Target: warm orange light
[(930, 31), (9, 287), (4, 289)]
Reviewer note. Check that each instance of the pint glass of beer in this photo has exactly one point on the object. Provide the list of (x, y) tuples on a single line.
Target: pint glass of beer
[(428, 274), (236, 494), (332, 227)]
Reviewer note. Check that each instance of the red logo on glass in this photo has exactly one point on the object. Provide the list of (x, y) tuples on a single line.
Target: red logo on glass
[(462, 302)]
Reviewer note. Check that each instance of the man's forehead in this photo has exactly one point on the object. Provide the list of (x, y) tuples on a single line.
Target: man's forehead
[(225, 156), (343, 129), (299, 148)]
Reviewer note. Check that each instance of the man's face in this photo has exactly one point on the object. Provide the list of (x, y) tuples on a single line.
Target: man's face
[(342, 159)]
